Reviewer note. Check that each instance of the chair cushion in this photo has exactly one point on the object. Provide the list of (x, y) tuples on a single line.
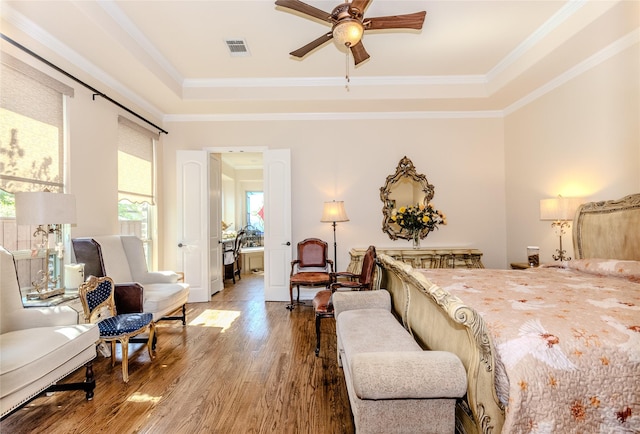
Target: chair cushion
[(124, 324), (30, 354), (321, 301), (311, 278), (163, 298)]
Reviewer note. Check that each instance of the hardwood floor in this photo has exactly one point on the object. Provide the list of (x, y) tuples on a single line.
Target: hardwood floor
[(241, 365)]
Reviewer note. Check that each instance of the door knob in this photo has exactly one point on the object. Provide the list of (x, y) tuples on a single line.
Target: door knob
[(288, 243), (181, 245)]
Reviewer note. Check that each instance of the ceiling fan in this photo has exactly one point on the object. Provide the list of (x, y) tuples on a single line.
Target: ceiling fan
[(348, 25)]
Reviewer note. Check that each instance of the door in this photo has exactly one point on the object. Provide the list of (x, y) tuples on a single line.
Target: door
[(277, 221), (216, 274), (192, 188), (197, 248)]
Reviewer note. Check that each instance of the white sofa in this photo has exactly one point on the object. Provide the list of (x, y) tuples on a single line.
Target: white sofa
[(121, 257), (394, 386), (39, 346)]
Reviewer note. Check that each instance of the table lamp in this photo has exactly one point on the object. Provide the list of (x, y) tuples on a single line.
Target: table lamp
[(561, 211), (48, 211)]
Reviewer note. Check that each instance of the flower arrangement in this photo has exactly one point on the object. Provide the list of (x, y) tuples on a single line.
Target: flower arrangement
[(418, 219)]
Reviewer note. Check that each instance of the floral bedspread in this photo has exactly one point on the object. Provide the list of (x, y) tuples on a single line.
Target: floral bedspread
[(567, 340)]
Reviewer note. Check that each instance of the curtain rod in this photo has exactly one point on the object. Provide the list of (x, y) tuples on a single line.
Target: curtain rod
[(96, 91)]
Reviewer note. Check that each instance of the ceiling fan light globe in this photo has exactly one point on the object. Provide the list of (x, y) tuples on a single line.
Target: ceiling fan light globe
[(348, 32)]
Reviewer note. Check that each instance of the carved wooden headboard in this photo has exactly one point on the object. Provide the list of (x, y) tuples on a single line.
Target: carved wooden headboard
[(608, 229)]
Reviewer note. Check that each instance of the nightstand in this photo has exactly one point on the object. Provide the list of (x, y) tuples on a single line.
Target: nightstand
[(70, 298), (520, 266)]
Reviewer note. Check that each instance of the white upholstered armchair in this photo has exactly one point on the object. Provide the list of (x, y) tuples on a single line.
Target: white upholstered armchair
[(39, 346), (121, 257)]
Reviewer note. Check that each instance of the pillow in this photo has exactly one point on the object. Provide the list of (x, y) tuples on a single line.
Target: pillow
[(629, 270)]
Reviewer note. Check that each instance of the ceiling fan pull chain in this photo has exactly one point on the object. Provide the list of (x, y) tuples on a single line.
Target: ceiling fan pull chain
[(346, 86)]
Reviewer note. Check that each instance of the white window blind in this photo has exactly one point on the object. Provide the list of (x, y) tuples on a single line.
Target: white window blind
[(135, 162), (31, 128)]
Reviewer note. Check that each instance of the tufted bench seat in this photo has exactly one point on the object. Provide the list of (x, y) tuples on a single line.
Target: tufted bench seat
[(394, 385)]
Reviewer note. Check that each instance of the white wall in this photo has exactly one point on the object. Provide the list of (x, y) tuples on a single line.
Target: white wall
[(349, 160), (580, 140), (489, 173)]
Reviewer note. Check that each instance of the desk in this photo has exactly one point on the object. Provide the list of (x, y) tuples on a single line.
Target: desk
[(252, 258), (437, 257)]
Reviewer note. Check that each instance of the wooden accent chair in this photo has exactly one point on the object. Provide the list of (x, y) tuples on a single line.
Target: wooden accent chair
[(231, 258), (99, 307), (322, 305), (312, 268)]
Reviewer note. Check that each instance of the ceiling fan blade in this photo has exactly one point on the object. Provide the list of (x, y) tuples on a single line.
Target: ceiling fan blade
[(306, 9), (359, 53), (408, 21), (360, 5), (302, 51)]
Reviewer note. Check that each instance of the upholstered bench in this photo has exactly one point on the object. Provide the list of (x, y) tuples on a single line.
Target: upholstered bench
[(394, 385)]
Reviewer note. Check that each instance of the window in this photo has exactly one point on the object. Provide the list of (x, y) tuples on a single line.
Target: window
[(136, 183), (31, 153), (255, 210)]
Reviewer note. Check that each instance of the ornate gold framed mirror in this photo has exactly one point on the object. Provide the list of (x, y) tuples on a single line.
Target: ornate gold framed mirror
[(403, 188)]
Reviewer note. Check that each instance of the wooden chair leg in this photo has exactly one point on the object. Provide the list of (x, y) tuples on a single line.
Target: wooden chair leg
[(89, 381), (113, 353), (318, 319), (155, 341), (150, 343), (124, 343)]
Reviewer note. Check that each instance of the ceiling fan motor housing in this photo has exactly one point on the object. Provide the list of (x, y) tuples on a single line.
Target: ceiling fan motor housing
[(345, 10)]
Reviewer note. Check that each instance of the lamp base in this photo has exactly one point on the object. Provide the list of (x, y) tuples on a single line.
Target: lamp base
[(45, 294)]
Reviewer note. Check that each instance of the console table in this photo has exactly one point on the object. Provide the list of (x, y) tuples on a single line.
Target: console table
[(423, 257)]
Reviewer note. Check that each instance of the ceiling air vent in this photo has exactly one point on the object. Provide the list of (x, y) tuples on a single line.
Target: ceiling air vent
[(237, 47)]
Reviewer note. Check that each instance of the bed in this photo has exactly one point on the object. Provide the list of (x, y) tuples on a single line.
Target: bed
[(549, 349)]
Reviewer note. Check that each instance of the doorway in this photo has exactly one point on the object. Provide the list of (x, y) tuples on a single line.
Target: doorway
[(242, 198), (198, 176)]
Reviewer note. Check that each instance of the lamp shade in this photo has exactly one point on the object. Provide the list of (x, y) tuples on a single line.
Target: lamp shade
[(559, 208), (348, 32), (45, 208), (334, 212)]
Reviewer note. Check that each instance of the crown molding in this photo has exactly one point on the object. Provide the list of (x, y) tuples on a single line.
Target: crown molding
[(116, 13), (474, 83), (400, 80), (335, 116), (596, 59), (566, 11)]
